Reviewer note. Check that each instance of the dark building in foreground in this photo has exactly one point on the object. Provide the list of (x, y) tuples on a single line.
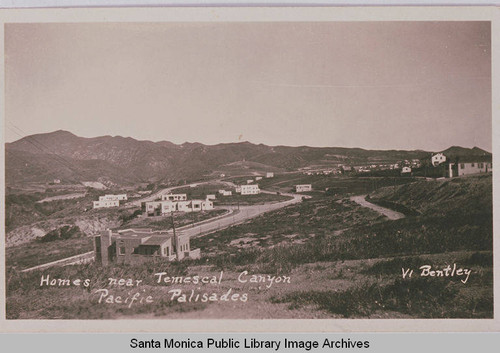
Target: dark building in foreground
[(131, 246)]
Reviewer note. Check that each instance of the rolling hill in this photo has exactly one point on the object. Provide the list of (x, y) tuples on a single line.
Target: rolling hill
[(63, 155)]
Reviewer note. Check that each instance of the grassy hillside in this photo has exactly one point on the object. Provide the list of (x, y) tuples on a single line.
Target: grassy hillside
[(344, 260), (439, 197)]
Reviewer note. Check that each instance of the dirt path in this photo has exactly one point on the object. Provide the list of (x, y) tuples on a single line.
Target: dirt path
[(391, 214)]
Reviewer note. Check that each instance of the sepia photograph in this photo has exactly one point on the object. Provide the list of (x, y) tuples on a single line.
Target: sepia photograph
[(248, 170)]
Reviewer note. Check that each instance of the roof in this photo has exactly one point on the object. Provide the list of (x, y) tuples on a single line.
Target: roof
[(471, 159), (139, 233), (156, 240)]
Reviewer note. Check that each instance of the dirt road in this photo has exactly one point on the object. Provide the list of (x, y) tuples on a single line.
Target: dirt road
[(391, 214)]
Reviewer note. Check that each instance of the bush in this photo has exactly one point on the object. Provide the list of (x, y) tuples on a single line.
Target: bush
[(64, 232)]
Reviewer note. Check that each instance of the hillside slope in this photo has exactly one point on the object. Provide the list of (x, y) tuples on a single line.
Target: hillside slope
[(440, 197)]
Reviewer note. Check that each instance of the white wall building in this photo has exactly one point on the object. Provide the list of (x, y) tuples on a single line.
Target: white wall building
[(249, 181), (405, 170), (211, 197), (106, 203), (120, 197), (269, 175), (174, 197), (438, 158), (472, 165), (303, 188), (250, 189), (225, 192), (258, 178), (156, 208)]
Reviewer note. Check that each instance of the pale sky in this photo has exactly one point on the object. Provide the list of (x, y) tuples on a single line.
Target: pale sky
[(376, 85)]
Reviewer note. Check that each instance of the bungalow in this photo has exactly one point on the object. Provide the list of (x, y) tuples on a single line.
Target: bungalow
[(258, 178), (106, 203), (211, 197), (184, 206), (132, 246), (174, 197), (226, 192), (470, 165), (437, 159), (121, 197), (269, 175), (303, 188), (250, 189), (405, 170)]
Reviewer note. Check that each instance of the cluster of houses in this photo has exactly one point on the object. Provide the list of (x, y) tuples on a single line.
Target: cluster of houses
[(133, 246), (176, 203), (404, 166), (108, 201)]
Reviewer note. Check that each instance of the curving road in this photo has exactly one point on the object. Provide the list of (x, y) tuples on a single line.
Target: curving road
[(236, 216), (391, 214)]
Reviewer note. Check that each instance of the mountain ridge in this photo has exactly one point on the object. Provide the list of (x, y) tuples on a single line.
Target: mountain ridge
[(42, 157)]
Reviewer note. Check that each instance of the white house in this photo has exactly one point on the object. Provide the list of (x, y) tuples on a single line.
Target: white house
[(437, 159), (184, 206), (226, 192), (237, 189), (168, 207), (106, 203), (405, 170), (249, 181), (120, 197), (303, 188), (211, 197), (269, 175), (174, 197), (470, 165), (250, 189), (258, 178)]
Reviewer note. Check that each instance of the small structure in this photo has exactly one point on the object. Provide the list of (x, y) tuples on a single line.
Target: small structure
[(237, 189), (269, 175), (165, 207), (57, 181), (226, 192), (258, 178), (250, 189), (405, 170), (120, 197), (132, 246), (249, 181), (303, 188), (211, 197), (106, 203), (470, 165), (437, 159), (346, 169), (174, 197)]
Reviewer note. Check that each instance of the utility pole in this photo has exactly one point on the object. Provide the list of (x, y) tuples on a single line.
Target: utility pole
[(176, 238)]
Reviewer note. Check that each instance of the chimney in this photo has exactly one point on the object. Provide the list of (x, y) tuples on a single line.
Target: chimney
[(106, 246)]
